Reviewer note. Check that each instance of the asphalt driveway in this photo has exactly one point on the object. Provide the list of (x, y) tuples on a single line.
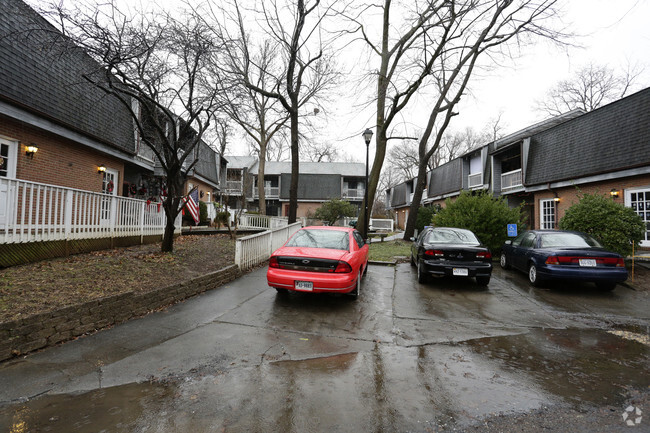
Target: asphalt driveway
[(448, 355)]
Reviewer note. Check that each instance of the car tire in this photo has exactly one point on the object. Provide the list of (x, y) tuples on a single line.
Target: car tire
[(365, 269), (422, 276), (533, 276), (354, 294), (483, 281), (606, 287), (503, 261)]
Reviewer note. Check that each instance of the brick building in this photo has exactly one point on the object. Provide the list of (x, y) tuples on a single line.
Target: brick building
[(546, 166)]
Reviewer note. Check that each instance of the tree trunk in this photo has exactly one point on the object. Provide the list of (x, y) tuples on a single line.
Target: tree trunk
[(260, 176), (417, 198), (295, 168), (175, 183)]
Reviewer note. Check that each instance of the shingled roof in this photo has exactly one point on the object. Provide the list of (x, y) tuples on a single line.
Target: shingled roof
[(47, 81), (446, 179), (612, 138)]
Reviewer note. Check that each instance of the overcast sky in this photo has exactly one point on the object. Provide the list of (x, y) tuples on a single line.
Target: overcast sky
[(615, 33)]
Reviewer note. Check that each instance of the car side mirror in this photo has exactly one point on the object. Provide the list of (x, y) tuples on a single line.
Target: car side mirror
[(508, 242)]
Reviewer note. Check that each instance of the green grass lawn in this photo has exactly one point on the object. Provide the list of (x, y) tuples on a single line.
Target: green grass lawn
[(387, 250)]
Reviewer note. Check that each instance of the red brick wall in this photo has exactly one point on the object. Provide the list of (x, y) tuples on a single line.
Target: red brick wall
[(570, 195), (58, 161)]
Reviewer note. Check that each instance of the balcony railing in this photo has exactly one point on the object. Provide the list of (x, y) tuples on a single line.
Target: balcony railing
[(32, 212), (234, 187), (511, 180), (269, 192), (357, 193), (475, 180)]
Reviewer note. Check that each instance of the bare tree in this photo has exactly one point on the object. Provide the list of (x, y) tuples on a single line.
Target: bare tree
[(319, 152), (260, 116), (224, 132), (307, 70), (155, 65), (431, 50), (592, 86)]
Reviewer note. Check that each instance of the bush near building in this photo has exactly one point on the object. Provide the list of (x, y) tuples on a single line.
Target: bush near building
[(613, 224), (335, 209), (487, 216)]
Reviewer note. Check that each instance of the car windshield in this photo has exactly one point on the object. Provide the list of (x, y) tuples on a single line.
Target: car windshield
[(331, 239), (446, 236), (568, 240)]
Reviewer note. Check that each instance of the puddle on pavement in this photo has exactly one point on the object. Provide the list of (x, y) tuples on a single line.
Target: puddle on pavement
[(579, 366), (389, 388), (119, 409)]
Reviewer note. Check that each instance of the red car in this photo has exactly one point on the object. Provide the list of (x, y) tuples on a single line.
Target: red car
[(320, 260)]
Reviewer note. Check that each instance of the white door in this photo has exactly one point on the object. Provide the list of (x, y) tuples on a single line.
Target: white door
[(8, 155), (109, 187)]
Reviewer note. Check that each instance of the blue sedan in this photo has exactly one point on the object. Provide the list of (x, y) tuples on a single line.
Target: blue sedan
[(563, 255)]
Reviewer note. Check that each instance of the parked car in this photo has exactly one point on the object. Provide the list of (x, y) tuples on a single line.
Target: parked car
[(441, 251), (563, 255), (320, 259)]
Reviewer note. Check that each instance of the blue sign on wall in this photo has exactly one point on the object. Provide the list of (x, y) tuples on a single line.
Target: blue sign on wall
[(512, 230)]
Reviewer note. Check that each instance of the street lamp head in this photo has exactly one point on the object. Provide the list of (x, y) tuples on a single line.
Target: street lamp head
[(367, 135)]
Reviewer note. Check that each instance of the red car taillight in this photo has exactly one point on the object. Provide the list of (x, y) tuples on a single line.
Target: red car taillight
[(484, 255), (434, 253), (618, 262), (273, 262), (342, 268), (552, 260)]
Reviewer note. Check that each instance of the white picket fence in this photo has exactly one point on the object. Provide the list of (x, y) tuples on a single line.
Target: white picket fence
[(254, 249), (33, 212), (254, 221)]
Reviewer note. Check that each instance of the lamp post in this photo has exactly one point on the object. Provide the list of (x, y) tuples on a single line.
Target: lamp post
[(367, 136)]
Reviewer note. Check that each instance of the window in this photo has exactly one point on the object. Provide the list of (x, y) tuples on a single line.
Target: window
[(528, 240), (8, 158), (639, 201), (547, 214), (358, 238)]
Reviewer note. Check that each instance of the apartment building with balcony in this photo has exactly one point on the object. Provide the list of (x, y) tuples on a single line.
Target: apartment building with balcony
[(318, 183), (68, 147), (546, 166)]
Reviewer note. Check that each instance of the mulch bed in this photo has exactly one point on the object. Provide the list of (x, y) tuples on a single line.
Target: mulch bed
[(47, 285)]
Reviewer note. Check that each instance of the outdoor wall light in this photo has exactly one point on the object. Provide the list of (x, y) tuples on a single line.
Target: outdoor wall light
[(614, 193), (556, 199), (101, 169), (31, 150)]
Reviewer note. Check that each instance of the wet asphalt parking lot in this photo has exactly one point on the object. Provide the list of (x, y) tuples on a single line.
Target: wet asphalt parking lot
[(405, 357)]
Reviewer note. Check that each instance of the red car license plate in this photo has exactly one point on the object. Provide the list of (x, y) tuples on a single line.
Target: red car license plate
[(304, 285)]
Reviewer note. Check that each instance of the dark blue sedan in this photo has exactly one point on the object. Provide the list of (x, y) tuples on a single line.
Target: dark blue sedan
[(563, 255)]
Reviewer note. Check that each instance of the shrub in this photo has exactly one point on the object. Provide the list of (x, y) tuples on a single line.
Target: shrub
[(203, 213), (613, 224), (425, 215), (488, 217), (334, 209), (222, 219)]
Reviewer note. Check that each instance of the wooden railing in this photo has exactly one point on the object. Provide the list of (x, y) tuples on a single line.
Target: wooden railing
[(475, 180), (33, 212), (269, 192), (253, 221), (255, 249), (357, 193), (511, 179)]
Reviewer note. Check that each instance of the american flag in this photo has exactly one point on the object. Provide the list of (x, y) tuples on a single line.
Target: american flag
[(192, 205)]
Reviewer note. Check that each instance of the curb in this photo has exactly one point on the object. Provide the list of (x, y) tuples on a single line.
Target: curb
[(39, 331)]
